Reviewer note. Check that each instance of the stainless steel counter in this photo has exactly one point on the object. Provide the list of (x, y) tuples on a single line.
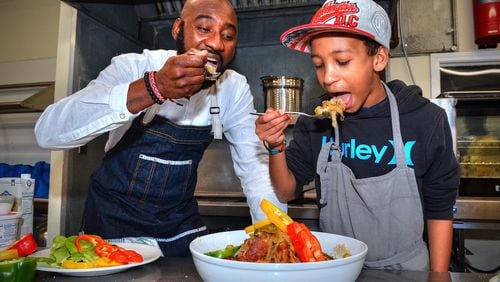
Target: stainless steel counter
[(183, 269)]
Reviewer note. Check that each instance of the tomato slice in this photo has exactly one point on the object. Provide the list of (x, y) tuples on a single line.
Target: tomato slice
[(275, 215), (306, 245)]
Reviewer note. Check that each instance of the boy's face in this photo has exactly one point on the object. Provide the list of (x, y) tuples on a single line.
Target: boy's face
[(346, 71)]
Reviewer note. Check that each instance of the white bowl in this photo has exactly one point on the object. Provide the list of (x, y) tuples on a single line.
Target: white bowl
[(216, 269)]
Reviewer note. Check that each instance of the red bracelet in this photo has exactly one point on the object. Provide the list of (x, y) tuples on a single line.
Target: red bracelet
[(154, 88)]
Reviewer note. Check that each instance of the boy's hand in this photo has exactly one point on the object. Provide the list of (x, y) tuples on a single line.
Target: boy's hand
[(271, 126)]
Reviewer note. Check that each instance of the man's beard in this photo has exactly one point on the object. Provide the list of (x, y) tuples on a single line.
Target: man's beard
[(181, 49)]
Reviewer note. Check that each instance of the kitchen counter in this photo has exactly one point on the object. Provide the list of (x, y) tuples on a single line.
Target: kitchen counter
[(182, 269)]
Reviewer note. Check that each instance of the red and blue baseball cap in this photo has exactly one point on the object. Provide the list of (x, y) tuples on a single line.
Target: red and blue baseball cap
[(362, 17)]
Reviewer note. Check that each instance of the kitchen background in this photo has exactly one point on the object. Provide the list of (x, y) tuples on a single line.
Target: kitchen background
[(41, 41)]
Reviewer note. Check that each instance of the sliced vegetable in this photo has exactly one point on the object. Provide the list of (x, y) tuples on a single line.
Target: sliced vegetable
[(257, 225), (306, 245), (18, 270), (77, 264), (133, 256), (229, 251), (104, 262), (105, 249), (275, 215), (94, 239), (8, 254), (25, 246)]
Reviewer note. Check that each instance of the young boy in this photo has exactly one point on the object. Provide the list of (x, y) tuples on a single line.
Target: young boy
[(389, 165)]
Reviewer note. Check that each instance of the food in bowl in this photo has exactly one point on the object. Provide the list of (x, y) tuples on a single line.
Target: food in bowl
[(269, 244), (216, 269), (266, 251)]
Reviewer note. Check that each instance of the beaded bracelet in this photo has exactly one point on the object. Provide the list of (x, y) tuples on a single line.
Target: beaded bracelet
[(155, 96), (156, 91)]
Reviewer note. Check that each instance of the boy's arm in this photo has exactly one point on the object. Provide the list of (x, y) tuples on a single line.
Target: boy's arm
[(440, 236)]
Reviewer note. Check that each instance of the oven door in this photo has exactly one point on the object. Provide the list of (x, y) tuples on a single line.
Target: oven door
[(472, 80)]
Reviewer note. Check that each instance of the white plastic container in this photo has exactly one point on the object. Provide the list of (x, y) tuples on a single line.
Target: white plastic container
[(9, 229)]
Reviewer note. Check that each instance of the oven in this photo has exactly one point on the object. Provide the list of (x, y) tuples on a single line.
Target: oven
[(467, 85)]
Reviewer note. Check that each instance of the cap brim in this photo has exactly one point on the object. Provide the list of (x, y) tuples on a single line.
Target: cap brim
[(297, 38)]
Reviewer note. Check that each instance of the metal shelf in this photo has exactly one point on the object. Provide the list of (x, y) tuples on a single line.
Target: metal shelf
[(37, 102)]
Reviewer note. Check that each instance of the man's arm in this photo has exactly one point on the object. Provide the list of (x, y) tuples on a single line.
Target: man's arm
[(440, 236)]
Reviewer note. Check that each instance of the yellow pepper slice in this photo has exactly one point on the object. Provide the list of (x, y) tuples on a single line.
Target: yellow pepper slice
[(8, 254), (275, 215), (257, 225), (77, 265), (104, 262)]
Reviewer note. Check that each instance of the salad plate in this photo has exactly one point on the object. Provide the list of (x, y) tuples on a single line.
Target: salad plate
[(149, 254)]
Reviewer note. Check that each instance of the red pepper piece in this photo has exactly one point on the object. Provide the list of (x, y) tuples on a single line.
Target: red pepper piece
[(133, 256), (25, 246), (94, 239), (105, 249), (306, 245), (119, 256)]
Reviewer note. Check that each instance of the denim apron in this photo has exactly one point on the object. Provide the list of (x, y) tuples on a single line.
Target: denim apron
[(145, 186), (385, 211)]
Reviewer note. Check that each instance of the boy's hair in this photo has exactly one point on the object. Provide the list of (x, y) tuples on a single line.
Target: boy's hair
[(372, 46), (359, 17)]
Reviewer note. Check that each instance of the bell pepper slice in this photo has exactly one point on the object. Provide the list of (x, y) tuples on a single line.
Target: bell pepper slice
[(306, 245), (276, 215), (119, 256), (133, 256), (105, 249), (229, 251), (77, 264), (257, 225), (25, 246), (18, 269), (94, 239), (8, 254), (105, 262)]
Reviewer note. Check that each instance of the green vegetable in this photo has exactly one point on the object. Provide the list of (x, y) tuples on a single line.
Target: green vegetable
[(229, 251), (64, 248), (18, 269)]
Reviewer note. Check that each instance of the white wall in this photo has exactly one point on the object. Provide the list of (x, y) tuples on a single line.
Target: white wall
[(28, 36), (420, 65)]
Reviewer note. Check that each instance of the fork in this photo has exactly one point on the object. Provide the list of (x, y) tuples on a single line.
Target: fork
[(289, 113)]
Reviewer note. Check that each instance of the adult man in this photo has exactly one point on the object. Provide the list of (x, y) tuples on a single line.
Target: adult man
[(161, 114)]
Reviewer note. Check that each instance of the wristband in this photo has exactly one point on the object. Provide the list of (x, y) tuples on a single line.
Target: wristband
[(149, 88), (274, 151), (156, 91)]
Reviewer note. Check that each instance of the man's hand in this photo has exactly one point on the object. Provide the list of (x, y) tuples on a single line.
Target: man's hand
[(271, 126), (182, 75)]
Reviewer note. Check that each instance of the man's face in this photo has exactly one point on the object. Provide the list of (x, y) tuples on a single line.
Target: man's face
[(346, 71), (208, 25)]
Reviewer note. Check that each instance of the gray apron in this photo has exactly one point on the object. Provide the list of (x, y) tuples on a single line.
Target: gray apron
[(385, 211)]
